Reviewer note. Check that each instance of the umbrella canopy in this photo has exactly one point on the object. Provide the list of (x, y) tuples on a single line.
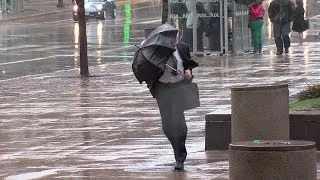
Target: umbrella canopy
[(248, 2), (150, 59)]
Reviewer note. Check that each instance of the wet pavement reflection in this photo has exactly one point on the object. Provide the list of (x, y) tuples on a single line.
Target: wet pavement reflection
[(107, 126), (50, 43)]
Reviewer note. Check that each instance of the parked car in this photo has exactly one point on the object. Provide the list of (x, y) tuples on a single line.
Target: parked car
[(99, 9)]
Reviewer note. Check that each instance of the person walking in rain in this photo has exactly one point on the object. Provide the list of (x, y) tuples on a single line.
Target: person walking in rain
[(281, 14), (256, 13), (298, 20), (171, 87), (170, 103)]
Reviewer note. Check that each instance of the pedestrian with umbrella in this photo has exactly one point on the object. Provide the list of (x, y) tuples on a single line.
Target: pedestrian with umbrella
[(166, 67)]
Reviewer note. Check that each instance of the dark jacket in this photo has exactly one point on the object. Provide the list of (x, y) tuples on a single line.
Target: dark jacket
[(281, 11), (298, 20), (184, 52), (188, 63)]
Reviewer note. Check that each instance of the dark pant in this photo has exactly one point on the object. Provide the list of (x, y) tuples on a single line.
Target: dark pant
[(281, 35), (187, 37), (173, 120), (256, 34)]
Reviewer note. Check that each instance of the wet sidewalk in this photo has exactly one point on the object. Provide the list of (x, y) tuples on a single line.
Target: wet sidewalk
[(107, 126), (37, 8)]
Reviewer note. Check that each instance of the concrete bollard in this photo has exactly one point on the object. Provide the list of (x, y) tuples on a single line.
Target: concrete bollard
[(273, 160), (260, 112)]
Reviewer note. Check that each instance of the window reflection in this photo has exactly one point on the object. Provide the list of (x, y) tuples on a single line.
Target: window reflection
[(76, 43), (99, 34), (306, 56), (127, 24), (269, 24), (305, 14), (127, 29)]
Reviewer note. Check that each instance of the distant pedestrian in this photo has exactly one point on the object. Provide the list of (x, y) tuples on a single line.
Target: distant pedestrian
[(60, 4), (256, 13), (281, 14), (194, 8), (212, 27), (298, 20)]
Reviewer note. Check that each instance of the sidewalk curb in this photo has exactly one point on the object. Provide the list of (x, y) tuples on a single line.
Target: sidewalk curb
[(32, 16)]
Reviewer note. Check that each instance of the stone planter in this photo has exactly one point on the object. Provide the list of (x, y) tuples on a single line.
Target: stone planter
[(303, 126), (270, 160)]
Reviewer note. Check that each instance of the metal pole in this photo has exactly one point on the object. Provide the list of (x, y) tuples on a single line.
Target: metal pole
[(226, 43), (242, 27), (221, 28), (5, 5), (10, 6), (195, 27), (165, 6), (234, 48)]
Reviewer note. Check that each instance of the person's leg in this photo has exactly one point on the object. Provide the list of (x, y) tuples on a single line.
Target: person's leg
[(278, 37), (285, 36), (254, 26), (259, 34), (200, 40), (179, 135), (214, 40), (173, 121)]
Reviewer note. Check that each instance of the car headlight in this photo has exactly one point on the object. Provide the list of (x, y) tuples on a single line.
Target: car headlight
[(100, 7), (75, 8)]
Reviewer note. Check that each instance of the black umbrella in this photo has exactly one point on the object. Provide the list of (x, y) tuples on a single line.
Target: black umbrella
[(247, 2), (151, 58)]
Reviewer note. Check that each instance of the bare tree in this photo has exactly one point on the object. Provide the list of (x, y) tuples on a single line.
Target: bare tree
[(84, 70), (165, 9)]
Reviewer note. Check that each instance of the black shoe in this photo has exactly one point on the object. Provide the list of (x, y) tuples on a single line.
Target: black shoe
[(286, 51), (254, 52), (279, 53), (199, 55), (179, 166)]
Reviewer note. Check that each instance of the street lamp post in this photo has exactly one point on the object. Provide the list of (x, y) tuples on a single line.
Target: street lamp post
[(165, 7), (84, 70)]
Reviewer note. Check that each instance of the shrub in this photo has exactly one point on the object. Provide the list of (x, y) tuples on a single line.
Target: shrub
[(309, 93)]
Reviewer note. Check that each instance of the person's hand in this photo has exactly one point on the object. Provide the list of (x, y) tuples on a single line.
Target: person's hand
[(188, 74)]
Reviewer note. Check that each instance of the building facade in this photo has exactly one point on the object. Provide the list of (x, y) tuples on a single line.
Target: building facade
[(209, 26)]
